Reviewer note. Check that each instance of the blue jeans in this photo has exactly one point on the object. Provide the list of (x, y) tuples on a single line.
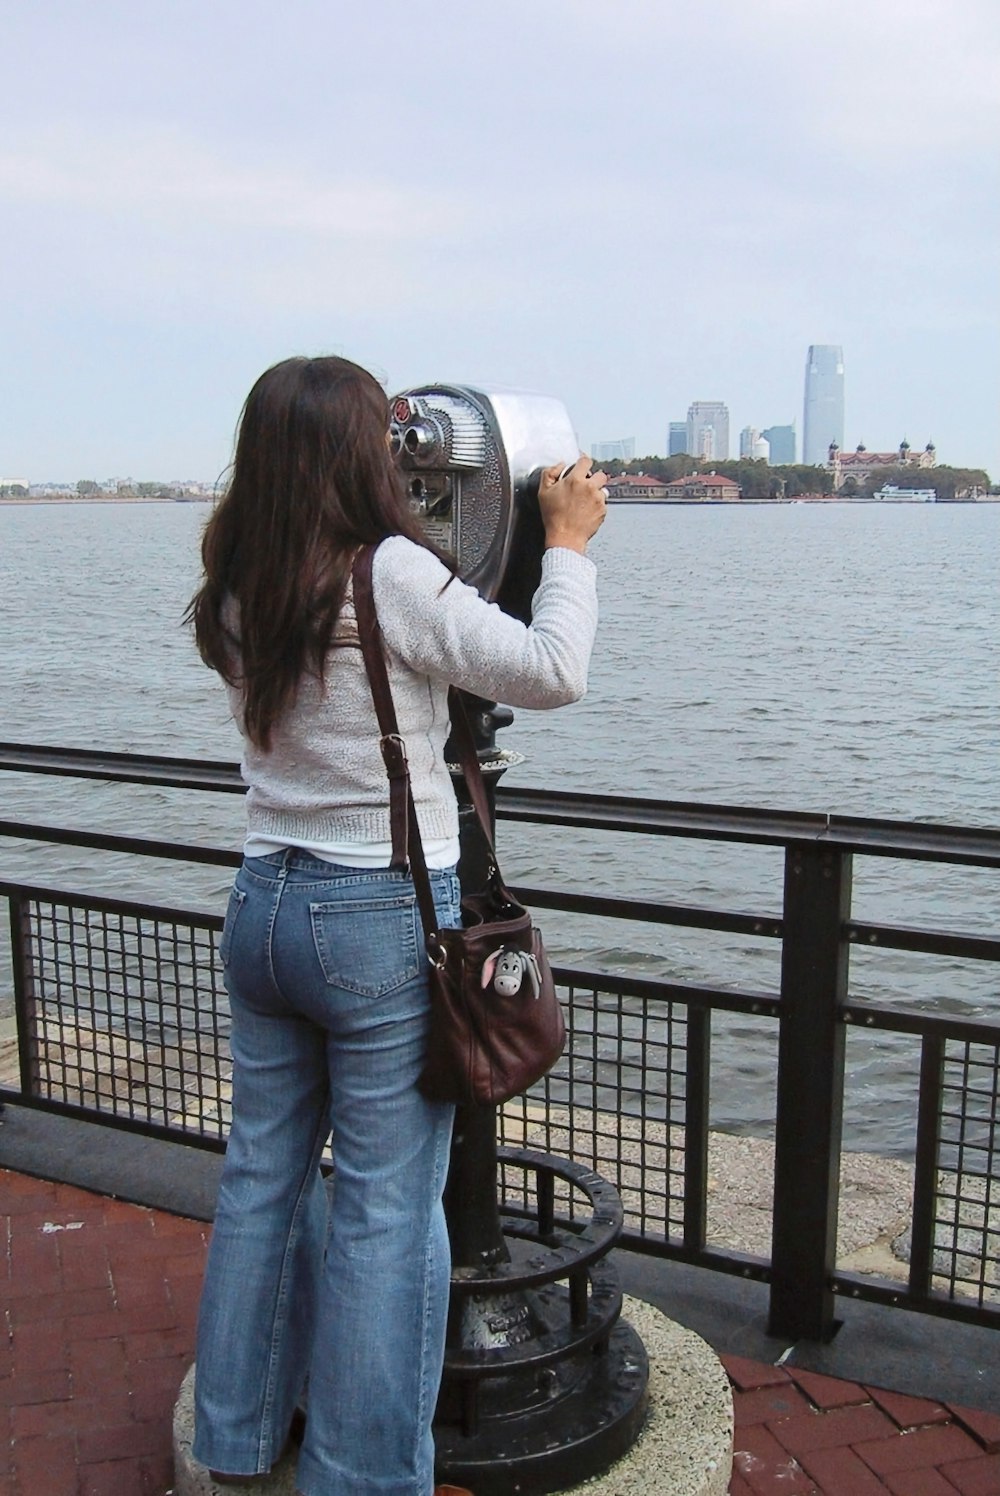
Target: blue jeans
[(343, 1307)]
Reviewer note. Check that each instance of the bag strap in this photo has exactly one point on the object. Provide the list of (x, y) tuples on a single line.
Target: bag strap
[(407, 844)]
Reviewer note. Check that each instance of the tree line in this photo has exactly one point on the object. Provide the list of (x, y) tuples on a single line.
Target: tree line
[(759, 480)]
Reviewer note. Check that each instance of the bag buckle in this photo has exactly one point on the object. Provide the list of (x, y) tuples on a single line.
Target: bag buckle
[(436, 953), (393, 755)]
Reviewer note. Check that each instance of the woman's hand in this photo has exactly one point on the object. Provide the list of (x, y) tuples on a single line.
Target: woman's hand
[(573, 503)]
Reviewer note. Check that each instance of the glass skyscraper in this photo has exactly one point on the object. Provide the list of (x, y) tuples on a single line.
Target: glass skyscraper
[(823, 416)]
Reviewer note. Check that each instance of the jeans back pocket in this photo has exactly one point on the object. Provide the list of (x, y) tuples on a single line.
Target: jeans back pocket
[(236, 902), (366, 945)]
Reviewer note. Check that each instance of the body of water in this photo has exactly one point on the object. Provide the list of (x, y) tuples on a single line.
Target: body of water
[(814, 657)]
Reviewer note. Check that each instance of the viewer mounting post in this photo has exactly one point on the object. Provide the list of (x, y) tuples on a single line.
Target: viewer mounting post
[(810, 1091)]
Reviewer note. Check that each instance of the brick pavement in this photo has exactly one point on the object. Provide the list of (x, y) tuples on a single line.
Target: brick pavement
[(99, 1301)]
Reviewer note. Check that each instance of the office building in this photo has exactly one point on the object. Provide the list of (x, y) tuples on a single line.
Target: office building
[(781, 440), (708, 430), (677, 439), (823, 411), (754, 445), (620, 450)]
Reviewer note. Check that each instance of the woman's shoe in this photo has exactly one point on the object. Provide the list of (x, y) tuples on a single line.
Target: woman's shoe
[(452, 1491)]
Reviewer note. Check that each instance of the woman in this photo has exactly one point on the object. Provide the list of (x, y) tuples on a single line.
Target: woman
[(322, 944)]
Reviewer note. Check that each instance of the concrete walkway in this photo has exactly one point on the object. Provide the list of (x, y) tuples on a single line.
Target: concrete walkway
[(99, 1299)]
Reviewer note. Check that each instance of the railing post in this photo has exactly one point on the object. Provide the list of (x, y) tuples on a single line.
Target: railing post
[(811, 1043), (925, 1171), (24, 994), (696, 1115)]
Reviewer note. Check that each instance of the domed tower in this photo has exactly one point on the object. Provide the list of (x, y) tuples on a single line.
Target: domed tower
[(904, 452)]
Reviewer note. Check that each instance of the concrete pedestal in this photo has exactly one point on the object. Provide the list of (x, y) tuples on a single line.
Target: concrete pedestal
[(686, 1446)]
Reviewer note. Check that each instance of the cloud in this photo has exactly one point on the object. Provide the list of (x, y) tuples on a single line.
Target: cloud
[(161, 175)]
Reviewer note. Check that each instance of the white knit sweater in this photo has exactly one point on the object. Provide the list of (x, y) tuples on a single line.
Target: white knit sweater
[(323, 779)]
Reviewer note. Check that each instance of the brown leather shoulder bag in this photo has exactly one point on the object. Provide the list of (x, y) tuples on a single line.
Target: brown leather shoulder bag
[(496, 1025)]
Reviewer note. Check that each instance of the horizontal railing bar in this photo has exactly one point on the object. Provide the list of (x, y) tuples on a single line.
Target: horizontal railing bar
[(128, 768), (866, 836), (692, 916), (653, 989), (737, 1264), (742, 1264), (913, 1021), (171, 914), (137, 846), (104, 1117), (853, 1286), (931, 942)]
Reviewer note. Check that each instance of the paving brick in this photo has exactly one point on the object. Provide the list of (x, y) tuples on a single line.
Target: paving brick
[(838, 1428), (105, 1326), (45, 1466), (148, 1316), (148, 1345), (68, 1415), (27, 1202), (84, 1214), (111, 1478), (122, 1440), (925, 1446), (39, 1347), (748, 1375), (123, 1210), (123, 1235), (909, 1412), (168, 1371), (185, 1294), (767, 1403), (157, 1474), (34, 1257), (983, 1426), (149, 1402), (73, 1192), (839, 1472), (85, 1269), (980, 1477), (765, 1466), (13, 1185), (171, 1225), (185, 1265), (49, 1305), (828, 1392), (35, 1387), (99, 1359), (927, 1482)]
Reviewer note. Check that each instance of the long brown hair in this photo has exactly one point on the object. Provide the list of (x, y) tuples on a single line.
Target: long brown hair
[(312, 479)]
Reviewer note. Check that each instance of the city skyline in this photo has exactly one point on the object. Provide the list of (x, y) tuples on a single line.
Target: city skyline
[(192, 194)]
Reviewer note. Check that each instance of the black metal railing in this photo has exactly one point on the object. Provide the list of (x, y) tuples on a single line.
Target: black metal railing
[(121, 1017)]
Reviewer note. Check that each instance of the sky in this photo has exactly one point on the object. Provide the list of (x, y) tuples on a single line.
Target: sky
[(630, 204)]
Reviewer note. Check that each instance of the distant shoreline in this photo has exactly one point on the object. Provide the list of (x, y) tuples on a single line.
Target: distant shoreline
[(825, 500), (107, 498)]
